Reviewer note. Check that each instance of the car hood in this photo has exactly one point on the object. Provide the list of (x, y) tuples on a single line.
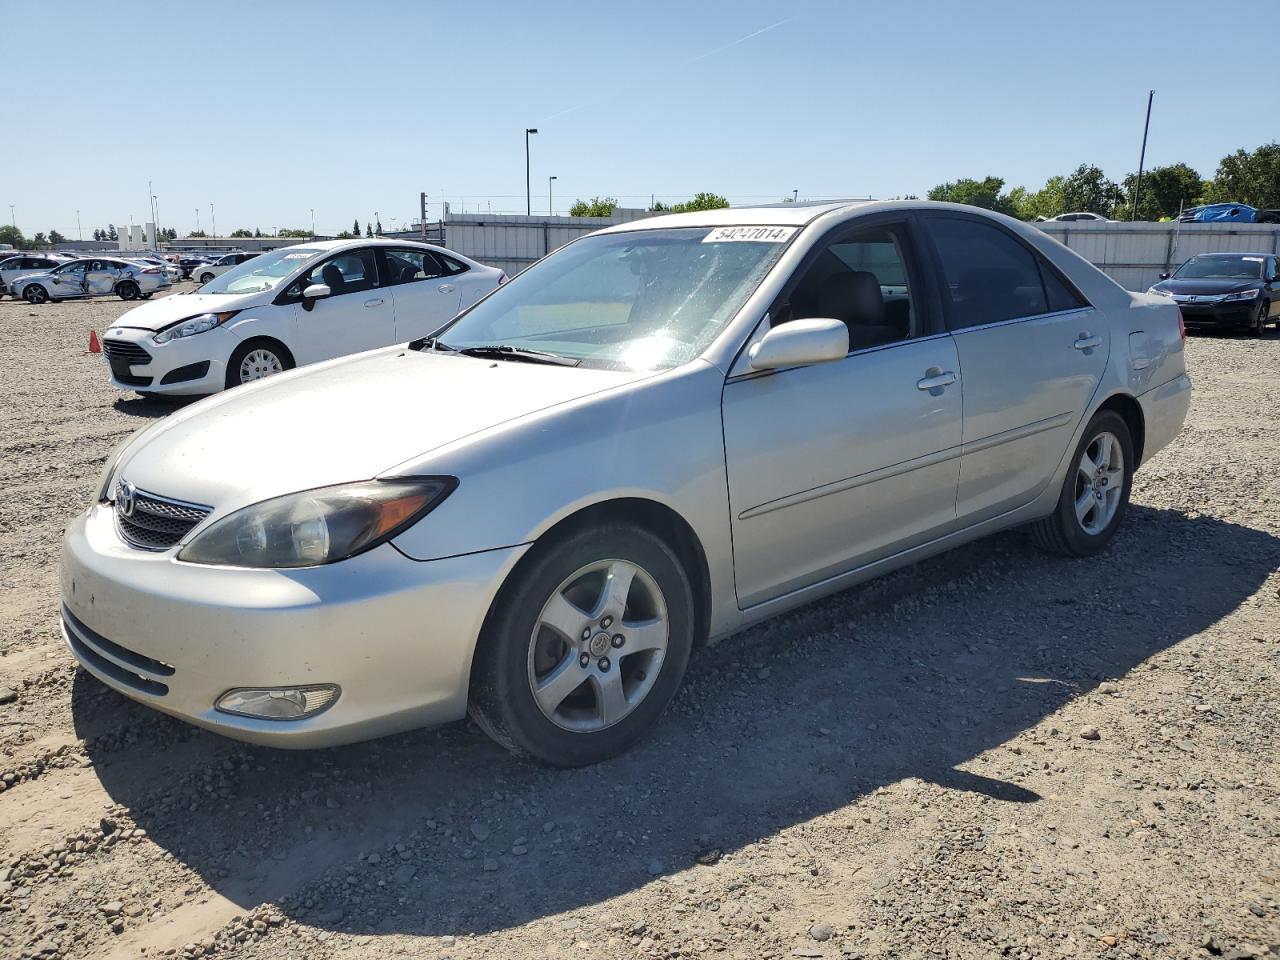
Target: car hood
[(346, 420), (1206, 287), (160, 313)]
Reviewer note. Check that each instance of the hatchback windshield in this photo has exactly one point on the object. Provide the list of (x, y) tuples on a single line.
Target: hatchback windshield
[(1220, 268), (642, 300), (262, 272)]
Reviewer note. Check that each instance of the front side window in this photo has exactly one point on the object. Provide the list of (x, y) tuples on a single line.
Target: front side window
[(262, 273), (862, 280), (1221, 268), (989, 277), (72, 269), (349, 272), (640, 300), (410, 266)]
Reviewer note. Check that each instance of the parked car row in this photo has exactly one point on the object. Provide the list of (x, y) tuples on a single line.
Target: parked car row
[(91, 277), (663, 432)]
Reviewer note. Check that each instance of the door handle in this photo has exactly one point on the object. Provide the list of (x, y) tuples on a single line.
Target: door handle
[(935, 379), (446, 288), (374, 302), (1087, 342)]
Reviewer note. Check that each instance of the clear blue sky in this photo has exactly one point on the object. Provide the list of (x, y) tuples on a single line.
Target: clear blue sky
[(269, 108)]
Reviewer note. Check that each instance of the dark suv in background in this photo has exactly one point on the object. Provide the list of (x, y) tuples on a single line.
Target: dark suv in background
[(1230, 291)]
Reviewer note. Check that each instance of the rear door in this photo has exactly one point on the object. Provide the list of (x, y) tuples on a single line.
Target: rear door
[(357, 315), (426, 296), (1032, 349), (102, 277)]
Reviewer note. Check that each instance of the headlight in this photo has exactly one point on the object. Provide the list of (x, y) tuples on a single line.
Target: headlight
[(317, 526), (1160, 293), (193, 325), (1243, 295)]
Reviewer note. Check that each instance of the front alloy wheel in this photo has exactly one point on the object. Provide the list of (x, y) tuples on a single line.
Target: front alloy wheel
[(35, 294), (1259, 328), (585, 645)]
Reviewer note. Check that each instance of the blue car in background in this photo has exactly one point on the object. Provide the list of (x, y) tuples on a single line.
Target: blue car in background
[(1230, 213)]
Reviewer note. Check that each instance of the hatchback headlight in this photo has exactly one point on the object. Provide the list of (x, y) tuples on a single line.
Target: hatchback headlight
[(193, 325), (1243, 295), (317, 526)]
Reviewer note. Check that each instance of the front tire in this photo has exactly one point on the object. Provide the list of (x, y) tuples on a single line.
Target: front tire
[(585, 646), (35, 294), (128, 290), (255, 360), (205, 278), (1261, 319), (1095, 494)]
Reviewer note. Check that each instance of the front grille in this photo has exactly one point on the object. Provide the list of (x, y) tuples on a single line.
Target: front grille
[(129, 352), (155, 523), (122, 665)]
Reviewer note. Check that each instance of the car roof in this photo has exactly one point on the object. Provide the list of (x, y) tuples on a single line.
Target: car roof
[(1223, 253)]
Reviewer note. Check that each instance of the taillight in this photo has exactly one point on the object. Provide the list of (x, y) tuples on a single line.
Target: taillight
[(502, 278), (152, 270), (1182, 327)]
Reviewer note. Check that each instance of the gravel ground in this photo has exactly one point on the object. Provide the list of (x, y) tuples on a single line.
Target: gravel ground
[(992, 754)]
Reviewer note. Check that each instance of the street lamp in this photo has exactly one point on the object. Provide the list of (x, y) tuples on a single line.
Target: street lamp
[(528, 197), (795, 195), (313, 223), (79, 232), (12, 219), (155, 218), (213, 218), (198, 220), (550, 209)]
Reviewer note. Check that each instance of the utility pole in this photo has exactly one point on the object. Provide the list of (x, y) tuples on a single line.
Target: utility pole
[(528, 197), (550, 208), (795, 195), (422, 215), (79, 232), (1142, 157), (214, 218), (313, 223), (198, 220)]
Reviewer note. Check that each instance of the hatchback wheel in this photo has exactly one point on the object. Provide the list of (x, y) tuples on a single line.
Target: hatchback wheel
[(128, 290), (1095, 493), (585, 646), (35, 294), (206, 277)]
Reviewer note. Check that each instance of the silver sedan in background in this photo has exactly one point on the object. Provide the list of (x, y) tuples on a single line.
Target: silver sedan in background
[(662, 433), (92, 277)]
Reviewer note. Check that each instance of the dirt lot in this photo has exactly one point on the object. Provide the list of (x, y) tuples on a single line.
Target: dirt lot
[(993, 754)]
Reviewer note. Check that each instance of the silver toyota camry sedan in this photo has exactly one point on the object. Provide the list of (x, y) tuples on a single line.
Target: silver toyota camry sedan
[(658, 435)]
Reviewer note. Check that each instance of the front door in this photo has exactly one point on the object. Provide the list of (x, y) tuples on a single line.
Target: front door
[(426, 298), (1033, 351), (69, 281), (357, 315), (837, 465)]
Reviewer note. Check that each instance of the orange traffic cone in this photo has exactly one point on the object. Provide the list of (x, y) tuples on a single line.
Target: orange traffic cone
[(94, 345)]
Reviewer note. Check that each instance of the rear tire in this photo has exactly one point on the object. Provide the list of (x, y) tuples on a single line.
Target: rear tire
[(1089, 508), (35, 294), (584, 647), (128, 290)]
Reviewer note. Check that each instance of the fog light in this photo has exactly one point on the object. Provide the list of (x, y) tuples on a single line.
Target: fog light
[(278, 703)]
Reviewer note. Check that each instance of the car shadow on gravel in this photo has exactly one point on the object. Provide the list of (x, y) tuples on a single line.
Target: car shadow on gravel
[(151, 408), (916, 675)]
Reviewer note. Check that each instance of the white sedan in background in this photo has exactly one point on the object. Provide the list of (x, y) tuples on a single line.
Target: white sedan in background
[(219, 266), (289, 307), (91, 277)]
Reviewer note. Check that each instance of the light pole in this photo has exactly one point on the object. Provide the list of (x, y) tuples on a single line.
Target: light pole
[(198, 220), (377, 221), (795, 195), (313, 223), (13, 221), (79, 232), (550, 210), (214, 228), (528, 197), (155, 217), (1142, 158)]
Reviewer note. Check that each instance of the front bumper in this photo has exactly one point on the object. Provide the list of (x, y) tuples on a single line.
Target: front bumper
[(1235, 314), (191, 366), (396, 635)]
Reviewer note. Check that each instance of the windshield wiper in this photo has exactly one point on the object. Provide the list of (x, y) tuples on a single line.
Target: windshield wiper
[(430, 343), (504, 351)]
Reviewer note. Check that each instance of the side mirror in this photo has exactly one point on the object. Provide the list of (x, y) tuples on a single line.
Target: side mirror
[(800, 343), (317, 291), (1164, 276)]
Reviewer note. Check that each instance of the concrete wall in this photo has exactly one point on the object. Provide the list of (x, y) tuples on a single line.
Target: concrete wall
[(1135, 254)]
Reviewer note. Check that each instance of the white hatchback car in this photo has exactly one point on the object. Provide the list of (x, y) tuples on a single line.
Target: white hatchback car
[(290, 307), (207, 271)]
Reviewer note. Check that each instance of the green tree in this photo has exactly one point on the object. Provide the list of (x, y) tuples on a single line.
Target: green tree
[(197, 235), (1244, 177), (701, 201), (56, 237), (1087, 189), (355, 229), (242, 232), (111, 232), (13, 236), (346, 234), (595, 207), (289, 232), (39, 241), (97, 234), (378, 228), (983, 193), (659, 207), (257, 232), (1164, 190)]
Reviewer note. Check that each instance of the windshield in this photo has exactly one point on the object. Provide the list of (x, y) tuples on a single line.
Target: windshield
[(1220, 268), (643, 300), (262, 272)]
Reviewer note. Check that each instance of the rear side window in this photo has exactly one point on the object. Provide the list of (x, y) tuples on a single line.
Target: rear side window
[(989, 277), (409, 266), (452, 265)]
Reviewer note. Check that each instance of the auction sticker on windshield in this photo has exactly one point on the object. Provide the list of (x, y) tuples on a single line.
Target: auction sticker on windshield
[(750, 235)]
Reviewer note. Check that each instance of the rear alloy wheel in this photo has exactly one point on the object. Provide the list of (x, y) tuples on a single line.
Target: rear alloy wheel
[(34, 293), (128, 290), (585, 646), (206, 277), (1260, 320), (1095, 493)]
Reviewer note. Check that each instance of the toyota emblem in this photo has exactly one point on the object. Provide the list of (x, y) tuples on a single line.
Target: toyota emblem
[(127, 498)]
